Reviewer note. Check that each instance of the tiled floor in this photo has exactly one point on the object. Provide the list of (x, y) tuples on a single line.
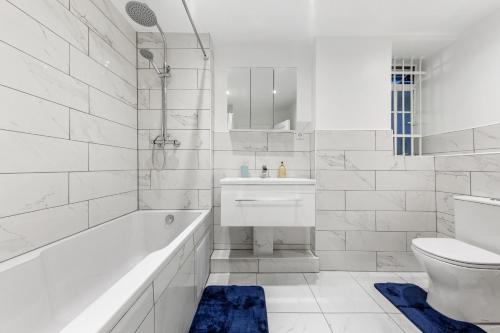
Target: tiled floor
[(326, 302)]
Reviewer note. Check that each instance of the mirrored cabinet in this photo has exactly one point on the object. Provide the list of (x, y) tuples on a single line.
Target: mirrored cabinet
[(262, 98)]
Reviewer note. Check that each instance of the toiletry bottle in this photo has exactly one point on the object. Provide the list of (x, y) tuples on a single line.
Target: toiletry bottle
[(282, 171), (244, 171)]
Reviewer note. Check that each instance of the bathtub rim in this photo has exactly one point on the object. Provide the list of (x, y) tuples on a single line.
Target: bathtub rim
[(105, 311)]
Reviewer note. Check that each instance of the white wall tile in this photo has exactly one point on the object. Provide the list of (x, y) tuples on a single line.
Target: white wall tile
[(58, 19), (345, 140), (180, 79), (117, 18), (421, 201), (181, 179), (419, 162), (101, 25), (182, 99), (347, 260), (330, 200), (32, 38), (375, 200), (473, 162), (445, 224), (18, 235), (188, 119), (30, 114), (384, 140), (110, 108), (375, 241), (405, 180), (345, 180), (406, 221), (330, 160), (453, 181), (91, 72), (107, 208), (345, 220), (487, 137), (168, 199), (485, 184), (233, 159), (289, 142), (247, 141), (27, 74), (444, 202), (21, 152), (26, 192), (174, 40), (292, 160), (89, 185), (330, 240), (85, 127), (111, 158), (195, 139), (373, 160), (169, 159), (460, 141), (108, 57), (397, 261)]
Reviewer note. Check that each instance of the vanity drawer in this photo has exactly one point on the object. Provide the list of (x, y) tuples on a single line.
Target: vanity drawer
[(268, 205)]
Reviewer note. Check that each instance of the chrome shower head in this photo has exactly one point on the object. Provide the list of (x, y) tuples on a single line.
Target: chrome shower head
[(141, 13), (146, 54)]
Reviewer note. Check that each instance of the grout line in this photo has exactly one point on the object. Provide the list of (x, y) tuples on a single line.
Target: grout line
[(317, 303)]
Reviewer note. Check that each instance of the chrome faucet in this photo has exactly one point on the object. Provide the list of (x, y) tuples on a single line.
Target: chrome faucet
[(264, 173)]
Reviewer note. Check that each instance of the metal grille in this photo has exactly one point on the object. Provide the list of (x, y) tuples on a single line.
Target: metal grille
[(406, 101)]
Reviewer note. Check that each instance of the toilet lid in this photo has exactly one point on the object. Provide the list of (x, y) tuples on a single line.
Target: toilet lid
[(457, 252)]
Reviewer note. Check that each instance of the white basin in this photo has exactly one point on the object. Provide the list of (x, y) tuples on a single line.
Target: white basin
[(268, 202)]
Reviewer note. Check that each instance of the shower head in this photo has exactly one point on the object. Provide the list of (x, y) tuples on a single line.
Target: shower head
[(146, 54), (141, 13)]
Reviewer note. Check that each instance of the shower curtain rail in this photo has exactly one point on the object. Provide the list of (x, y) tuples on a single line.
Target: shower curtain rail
[(205, 56)]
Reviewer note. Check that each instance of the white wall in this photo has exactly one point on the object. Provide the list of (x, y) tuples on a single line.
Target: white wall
[(463, 82), (263, 55), (352, 83)]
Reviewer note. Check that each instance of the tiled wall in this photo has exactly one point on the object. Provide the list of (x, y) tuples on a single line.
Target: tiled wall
[(233, 149), (473, 140), (465, 174), (370, 203), (68, 137), (175, 178)]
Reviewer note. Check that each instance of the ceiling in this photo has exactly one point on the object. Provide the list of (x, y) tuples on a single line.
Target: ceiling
[(427, 22)]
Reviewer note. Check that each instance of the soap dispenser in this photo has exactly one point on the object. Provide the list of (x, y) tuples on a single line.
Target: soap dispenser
[(282, 171)]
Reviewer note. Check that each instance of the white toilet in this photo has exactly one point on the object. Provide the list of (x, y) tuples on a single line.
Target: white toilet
[(465, 272)]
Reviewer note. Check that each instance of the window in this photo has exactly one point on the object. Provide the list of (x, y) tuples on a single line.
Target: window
[(406, 82)]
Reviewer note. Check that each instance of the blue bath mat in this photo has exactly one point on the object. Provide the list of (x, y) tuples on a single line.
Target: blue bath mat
[(231, 309), (411, 301)]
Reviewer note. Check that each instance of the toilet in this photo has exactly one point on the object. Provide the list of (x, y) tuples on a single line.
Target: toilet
[(464, 272)]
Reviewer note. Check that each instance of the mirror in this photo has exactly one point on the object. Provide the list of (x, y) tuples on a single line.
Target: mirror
[(262, 98)]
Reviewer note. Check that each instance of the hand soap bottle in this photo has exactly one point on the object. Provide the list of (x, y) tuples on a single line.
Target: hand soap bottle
[(282, 171)]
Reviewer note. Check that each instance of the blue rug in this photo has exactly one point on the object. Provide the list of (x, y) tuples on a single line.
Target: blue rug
[(411, 301), (231, 309)]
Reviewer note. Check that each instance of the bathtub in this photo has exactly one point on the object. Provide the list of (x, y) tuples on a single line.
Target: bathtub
[(137, 273)]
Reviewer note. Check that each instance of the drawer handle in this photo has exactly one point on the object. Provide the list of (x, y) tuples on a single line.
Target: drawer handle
[(266, 199)]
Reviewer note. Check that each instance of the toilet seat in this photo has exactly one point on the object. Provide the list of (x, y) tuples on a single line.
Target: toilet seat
[(457, 253)]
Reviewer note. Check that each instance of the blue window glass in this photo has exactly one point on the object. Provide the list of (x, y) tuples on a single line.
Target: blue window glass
[(399, 145), (399, 122), (408, 147), (398, 79), (400, 101)]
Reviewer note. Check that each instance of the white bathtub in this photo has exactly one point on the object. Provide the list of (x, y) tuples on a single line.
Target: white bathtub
[(135, 273)]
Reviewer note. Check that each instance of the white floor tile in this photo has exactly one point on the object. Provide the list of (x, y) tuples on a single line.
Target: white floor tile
[(361, 322), (339, 292), (240, 279), (491, 328), (297, 323), (404, 323), (287, 293), (367, 279)]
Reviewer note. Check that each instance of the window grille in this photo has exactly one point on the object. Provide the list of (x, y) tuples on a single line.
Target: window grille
[(406, 101)]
